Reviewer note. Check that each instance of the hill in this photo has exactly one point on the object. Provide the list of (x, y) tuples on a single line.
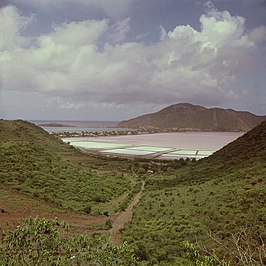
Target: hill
[(188, 117), (204, 213), (213, 210), (249, 148), (39, 165), (14, 130)]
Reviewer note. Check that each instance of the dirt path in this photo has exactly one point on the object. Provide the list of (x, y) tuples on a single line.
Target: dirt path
[(122, 219), (14, 207)]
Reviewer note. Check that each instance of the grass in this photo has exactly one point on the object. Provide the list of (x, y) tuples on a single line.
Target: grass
[(218, 203), (211, 204), (169, 215), (41, 166), (36, 163), (33, 169)]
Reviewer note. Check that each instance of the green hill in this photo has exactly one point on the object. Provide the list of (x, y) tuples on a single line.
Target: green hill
[(34, 162), (211, 212), (249, 148), (188, 117), (23, 130), (218, 204)]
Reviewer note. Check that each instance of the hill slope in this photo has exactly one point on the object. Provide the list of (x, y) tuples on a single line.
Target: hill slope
[(32, 162), (217, 204), (249, 148), (185, 116)]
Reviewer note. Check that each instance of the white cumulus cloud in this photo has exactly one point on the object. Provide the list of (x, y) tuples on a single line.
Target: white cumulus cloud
[(91, 61), (11, 24)]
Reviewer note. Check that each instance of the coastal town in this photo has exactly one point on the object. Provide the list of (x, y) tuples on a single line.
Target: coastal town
[(100, 133), (121, 132)]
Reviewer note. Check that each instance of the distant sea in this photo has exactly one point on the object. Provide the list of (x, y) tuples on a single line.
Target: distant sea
[(78, 126)]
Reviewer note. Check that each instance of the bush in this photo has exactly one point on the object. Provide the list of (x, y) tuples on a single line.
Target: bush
[(193, 254), (45, 242), (141, 171), (108, 224), (87, 209)]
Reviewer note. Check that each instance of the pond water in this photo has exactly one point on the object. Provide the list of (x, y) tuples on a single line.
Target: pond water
[(161, 145)]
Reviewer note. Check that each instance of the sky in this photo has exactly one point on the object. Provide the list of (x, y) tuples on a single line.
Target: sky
[(112, 60)]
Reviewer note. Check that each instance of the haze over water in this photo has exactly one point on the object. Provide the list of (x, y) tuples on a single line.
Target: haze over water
[(77, 126)]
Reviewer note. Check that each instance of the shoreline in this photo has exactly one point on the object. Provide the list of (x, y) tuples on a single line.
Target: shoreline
[(67, 134)]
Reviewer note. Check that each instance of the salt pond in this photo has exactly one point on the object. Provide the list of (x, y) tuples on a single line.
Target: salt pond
[(161, 145)]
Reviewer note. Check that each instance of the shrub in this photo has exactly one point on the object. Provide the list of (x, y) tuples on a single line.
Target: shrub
[(141, 171), (108, 224), (87, 209), (45, 242)]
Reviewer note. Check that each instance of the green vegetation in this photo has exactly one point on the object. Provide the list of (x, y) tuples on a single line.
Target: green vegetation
[(19, 130), (33, 169), (217, 204), (47, 242), (208, 213), (36, 166)]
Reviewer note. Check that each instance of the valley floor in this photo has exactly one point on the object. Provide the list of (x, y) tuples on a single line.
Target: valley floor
[(15, 207)]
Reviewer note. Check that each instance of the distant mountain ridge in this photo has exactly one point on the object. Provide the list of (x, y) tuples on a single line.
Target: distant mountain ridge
[(188, 117)]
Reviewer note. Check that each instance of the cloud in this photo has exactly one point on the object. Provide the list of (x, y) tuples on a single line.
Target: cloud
[(91, 61), (258, 34), (11, 24), (119, 31), (221, 29)]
